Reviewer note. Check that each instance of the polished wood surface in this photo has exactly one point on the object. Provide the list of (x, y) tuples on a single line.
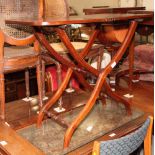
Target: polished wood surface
[(3, 151), (149, 22), (15, 144), (143, 95), (110, 10), (101, 18)]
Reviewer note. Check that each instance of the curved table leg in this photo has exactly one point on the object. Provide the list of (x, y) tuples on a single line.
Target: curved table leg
[(55, 97), (43, 41), (129, 71), (118, 98), (101, 79), (131, 63), (41, 38), (90, 103), (126, 43)]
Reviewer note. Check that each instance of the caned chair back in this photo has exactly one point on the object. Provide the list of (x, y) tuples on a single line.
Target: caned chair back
[(53, 8), (17, 9), (127, 144)]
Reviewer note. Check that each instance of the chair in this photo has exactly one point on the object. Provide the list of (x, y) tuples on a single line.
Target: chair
[(127, 144), (143, 52), (17, 54), (143, 63)]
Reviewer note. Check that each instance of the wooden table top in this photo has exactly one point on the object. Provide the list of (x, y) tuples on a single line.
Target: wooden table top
[(148, 22), (110, 10), (99, 18)]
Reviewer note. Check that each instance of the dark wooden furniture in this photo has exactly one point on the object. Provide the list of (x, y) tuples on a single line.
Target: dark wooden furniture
[(82, 65), (89, 11), (147, 27), (15, 85), (106, 6)]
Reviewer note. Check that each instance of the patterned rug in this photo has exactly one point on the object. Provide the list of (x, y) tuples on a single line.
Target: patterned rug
[(102, 119)]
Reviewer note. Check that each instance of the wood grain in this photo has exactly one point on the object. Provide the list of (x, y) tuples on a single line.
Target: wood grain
[(16, 145)]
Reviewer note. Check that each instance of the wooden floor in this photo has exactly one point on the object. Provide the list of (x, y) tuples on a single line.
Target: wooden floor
[(143, 96), (18, 113)]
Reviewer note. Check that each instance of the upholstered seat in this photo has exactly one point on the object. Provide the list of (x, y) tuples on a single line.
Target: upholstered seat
[(128, 143), (143, 61), (144, 54)]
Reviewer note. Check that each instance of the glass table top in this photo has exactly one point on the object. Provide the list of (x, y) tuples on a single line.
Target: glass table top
[(102, 119)]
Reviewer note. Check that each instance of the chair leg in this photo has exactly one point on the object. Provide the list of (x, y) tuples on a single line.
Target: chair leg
[(148, 137), (96, 148), (2, 97), (43, 77), (40, 84), (131, 63), (59, 75), (99, 59), (27, 83)]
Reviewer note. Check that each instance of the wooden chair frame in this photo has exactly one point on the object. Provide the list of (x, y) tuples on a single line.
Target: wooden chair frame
[(18, 63)]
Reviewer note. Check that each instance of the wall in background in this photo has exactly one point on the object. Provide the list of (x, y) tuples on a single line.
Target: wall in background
[(78, 5), (147, 3)]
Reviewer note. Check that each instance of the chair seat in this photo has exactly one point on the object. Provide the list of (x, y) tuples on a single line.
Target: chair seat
[(143, 60), (61, 48), (15, 52), (19, 57), (143, 57), (145, 53)]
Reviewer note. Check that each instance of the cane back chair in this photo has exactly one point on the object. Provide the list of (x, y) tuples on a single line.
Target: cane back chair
[(16, 51), (127, 144)]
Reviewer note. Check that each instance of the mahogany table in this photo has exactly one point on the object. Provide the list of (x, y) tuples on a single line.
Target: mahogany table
[(143, 28), (102, 10), (79, 65)]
